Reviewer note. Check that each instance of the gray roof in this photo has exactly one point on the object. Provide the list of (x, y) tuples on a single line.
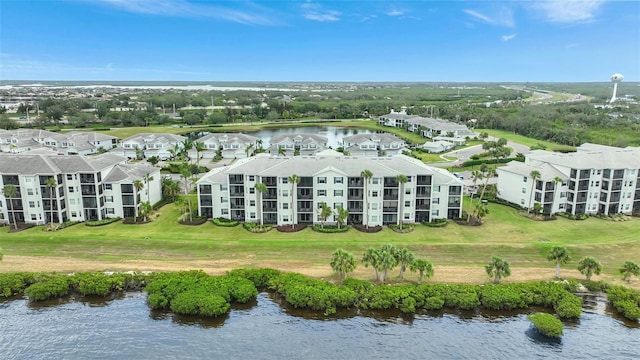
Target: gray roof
[(547, 172), (155, 137), (349, 165), (299, 138), (128, 172), (36, 164), (222, 138), (27, 164), (383, 139), (591, 158)]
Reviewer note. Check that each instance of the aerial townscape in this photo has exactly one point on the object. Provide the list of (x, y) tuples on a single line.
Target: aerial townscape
[(425, 192)]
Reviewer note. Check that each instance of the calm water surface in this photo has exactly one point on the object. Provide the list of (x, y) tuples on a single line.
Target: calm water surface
[(126, 329)]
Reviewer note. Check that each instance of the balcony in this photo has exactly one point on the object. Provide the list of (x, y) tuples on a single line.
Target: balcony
[(391, 209), (354, 209), (355, 182), (236, 179), (237, 206)]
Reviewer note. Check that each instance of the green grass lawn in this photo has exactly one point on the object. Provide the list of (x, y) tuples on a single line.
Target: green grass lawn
[(522, 241), (551, 146)]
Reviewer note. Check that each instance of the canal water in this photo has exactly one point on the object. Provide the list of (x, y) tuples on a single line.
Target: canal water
[(334, 134), (126, 328)]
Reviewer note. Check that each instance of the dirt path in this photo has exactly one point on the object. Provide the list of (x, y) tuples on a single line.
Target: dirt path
[(443, 274)]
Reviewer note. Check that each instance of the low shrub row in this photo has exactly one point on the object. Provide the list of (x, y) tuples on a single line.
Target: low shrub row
[(436, 223), (367, 229), (195, 221), (406, 228), (626, 301), (59, 226), (256, 228), (572, 217), (329, 229), (490, 161), (102, 222), (224, 222), (291, 228), (164, 201)]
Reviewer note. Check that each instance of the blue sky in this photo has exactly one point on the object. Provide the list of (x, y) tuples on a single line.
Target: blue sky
[(172, 40)]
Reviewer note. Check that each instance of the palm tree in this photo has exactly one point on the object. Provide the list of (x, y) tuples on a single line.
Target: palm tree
[(557, 181), (185, 172), (342, 262), (147, 178), (387, 262), (343, 214), (535, 175), (325, 212), (480, 210), (476, 175), (589, 266), (247, 150), (366, 176), (498, 268), (424, 267), (186, 146), (145, 209), (170, 188), (405, 258), (11, 191), (294, 180), (261, 188), (282, 151), (137, 185), (560, 255), (401, 179), (628, 268), (51, 184), (372, 257), (200, 148)]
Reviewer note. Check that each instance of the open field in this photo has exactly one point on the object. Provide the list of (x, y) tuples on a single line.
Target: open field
[(459, 251), (526, 140)]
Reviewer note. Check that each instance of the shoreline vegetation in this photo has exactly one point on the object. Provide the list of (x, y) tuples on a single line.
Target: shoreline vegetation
[(196, 293)]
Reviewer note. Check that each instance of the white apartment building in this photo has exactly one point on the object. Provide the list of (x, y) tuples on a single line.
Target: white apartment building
[(164, 146), (303, 144), (86, 188), (594, 179), (230, 145), (331, 178), (373, 145), (66, 143)]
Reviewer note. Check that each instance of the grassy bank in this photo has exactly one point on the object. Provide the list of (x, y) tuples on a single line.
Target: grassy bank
[(506, 234), (551, 146)]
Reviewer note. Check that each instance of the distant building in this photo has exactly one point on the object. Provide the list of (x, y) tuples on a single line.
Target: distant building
[(427, 127), (230, 145), (373, 145), (67, 143), (87, 188), (302, 144), (164, 146), (436, 147), (330, 178), (597, 179)]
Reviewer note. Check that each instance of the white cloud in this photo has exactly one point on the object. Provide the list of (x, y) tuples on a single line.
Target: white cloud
[(316, 12), (500, 17), (508, 37), (396, 12), (183, 8), (568, 11)]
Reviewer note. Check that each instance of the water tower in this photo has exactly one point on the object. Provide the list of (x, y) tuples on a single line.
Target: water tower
[(615, 79)]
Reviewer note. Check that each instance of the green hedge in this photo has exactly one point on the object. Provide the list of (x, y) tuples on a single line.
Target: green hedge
[(626, 301), (224, 222), (547, 324), (490, 161), (329, 229), (436, 223), (102, 222)]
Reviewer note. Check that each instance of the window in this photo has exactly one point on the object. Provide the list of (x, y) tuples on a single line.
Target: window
[(322, 192), (223, 187), (407, 203), (563, 194), (407, 216), (224, 212), (252, 203), (374, 194), (70, 189), (435, 201), (32, 204), (29, 191), (407, 191), (524, 190), (435, 212), (33, 217), (285, 206), (524, 179), (337, 205), (108, 198), (338, 180), (224, 200), (285, 217), (374, 206), (252, 215), (111, 211), (107, 186), (337, 193), (72, 201), (285, 193), (375, 180), (322, 180), (436, 188), (521, 201), (285, 180), (74, 214), (599, 172), (374, 218), (252, 178), (559, 207), (69, 177), (252, 190)]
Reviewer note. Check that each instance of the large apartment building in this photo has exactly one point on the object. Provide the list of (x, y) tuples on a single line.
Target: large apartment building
[(66, 143), (595, 179), (86, 188), (334, 179)]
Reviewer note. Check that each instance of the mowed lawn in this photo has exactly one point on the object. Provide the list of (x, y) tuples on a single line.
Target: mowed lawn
[(506, 234)]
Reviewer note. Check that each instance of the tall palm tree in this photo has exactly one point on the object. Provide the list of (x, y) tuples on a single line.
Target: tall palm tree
[(342, 262), (366, 175), (343, 214), (247, 150), (560, 255), (556, 185), (200, 148), (11, 191), (261, 188), (294, 180), (51, 185), (424, 267), (401, 179), (137, 185), (372, 257), (535, 175), (185, 173), (281, 151), (147, 178), (186, 146), (325, 212)]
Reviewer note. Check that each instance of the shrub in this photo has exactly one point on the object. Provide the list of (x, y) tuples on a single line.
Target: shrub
[(224, 222), (569, 307), (259, 277), (14, 283), (547, 324), (500, 297), (626, 301), (406, 228), (102, 222), (364, 229), (198, 220), (441, 222), (55, 286), (330, 229), (256, 228), (289, 228)]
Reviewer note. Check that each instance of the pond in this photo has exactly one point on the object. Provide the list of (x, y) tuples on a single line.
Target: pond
[(334, 134), (267, 329)]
